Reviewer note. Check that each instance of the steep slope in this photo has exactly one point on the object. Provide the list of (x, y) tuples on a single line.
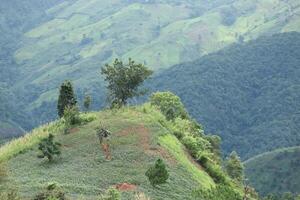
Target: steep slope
[(139, 137), (248, 93), (275, 172), (82, 35)]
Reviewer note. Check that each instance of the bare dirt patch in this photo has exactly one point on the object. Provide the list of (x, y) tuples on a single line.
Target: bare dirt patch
[(125, 187), (145, 142), (73, 130)]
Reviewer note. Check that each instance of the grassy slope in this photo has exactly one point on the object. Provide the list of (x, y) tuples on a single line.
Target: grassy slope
[(275, 172), (138, 139), (159, 34)]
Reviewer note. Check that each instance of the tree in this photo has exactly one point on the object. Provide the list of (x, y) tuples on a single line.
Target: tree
[(66, 97), (124, 80), (87, 102), (158, 173), (49, 148), (234, 167)]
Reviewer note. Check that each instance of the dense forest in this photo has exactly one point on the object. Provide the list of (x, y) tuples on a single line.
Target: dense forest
[(275, 172), (248, 93)]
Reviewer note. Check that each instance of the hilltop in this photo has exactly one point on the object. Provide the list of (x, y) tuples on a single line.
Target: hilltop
[(275, 172), (247, 93), (140, 135), (71, 39)]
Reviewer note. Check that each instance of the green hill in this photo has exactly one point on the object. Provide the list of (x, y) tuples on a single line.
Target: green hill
[(71, 39), (275, 172), (140, 135), (248, 93)]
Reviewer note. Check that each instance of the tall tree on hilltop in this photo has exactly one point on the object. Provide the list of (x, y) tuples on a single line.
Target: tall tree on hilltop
[(87, 102), (124, 80), (234, 167), (66, 97)]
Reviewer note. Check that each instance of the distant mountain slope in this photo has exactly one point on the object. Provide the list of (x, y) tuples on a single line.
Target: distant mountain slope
[(275, 172), (139, 136), (248, 93), (78, 36)]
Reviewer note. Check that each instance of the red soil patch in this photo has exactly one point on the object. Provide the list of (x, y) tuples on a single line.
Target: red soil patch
[(145, 142), (125, 187)]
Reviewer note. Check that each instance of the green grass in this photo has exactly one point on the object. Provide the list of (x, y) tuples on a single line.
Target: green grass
[(82, 169)]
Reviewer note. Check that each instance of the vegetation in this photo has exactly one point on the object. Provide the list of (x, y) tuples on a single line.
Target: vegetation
[(47, 42), (244, 93), (111, 194), (49, 148), (157, 174), (138, 136), (52, 192), (234, 167), (124, 81), (66, 98), (275, 172), (87, 102), (221, 192), (169, 104)]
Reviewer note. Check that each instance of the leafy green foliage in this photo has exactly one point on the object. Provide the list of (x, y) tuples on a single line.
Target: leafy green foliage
[(157, 174), (9, 194), (124, 80), (87, 102), (71, 116), (275, 172), (234, 167), (169, 104), (52, 192), (221, 192), (111, 194), (49, 148), (66, 98), (246, 93)]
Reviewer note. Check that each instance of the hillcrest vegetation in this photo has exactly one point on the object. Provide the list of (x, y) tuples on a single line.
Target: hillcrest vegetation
[(150, 151)]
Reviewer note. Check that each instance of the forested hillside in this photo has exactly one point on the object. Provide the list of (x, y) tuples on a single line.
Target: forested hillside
[(50, 41), (275, 172), (248, 93), (17, 17)]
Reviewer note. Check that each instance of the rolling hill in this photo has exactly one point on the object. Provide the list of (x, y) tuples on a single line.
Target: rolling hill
[(71, 39), (139, 135), (248, 93), (276, 171)]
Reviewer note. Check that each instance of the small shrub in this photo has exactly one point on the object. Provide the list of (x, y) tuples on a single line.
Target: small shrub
[(220, 192), (52, 192), (141, 196), (158, 173), (71, 116), (11, 194), (111, 194), (169, 104), (49, 148), (215, 172)]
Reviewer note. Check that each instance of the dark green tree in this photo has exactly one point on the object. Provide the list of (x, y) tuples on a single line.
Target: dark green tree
[(66, 97), (124, 80), (157, 174), (49, 148), (234, 167), (87, 102)]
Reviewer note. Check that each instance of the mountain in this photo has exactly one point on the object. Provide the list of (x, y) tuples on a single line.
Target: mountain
[(71, 39), (248, 93), (276, 171), (139, 136)]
